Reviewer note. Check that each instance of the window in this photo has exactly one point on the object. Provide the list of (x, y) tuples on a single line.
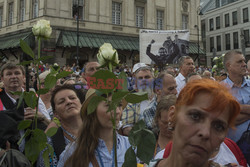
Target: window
[(1, 16), (35, 8), (245, 15), (227, 20), (22, 10), (203, 29), (217, 3), (227, 38), (77, 7), (10, 14), (218, 41), (246, 37), (116, 13), (218, 22), (224, 2), (211, 24), (184, 22), (234, 17), (236, 40), (160, 18), (139, 16), (211, 44)]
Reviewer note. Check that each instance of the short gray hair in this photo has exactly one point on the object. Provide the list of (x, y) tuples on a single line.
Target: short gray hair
[(182, 59), (229, 55)]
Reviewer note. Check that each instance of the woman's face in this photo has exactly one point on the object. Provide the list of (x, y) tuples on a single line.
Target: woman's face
[(67, 104), (104, 117), (163, 124), (197, 132)]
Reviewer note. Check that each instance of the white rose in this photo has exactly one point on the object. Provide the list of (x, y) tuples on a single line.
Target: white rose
[(106, 53), (42, 29), (215, 66), (216, 58), (222, 55)]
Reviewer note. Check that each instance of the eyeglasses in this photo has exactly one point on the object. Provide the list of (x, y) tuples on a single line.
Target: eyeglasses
[(81, 86)]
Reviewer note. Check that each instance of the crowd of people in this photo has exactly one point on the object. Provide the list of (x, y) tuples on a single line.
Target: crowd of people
[(199, 120)]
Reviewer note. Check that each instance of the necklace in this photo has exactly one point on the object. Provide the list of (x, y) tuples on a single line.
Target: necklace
[(72, 136)]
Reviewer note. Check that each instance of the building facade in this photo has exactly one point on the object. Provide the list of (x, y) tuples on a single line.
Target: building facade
[(97, 21), (225, 26)]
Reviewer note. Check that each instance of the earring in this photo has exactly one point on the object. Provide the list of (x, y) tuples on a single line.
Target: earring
[(170, 127)]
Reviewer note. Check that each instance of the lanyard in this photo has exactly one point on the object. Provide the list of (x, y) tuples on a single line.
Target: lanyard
[(69, 134), (100, 158)]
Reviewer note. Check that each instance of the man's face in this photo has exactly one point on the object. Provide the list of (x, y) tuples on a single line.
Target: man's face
[(144, 79), (168, 85), (90, 69), (187, 67), (236, 65), (13, 79)]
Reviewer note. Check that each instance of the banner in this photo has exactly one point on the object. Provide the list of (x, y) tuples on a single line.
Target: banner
[(163, 47)]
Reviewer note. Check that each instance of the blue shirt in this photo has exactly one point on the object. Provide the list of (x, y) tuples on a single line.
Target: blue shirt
[(242, 95), (107, 158)]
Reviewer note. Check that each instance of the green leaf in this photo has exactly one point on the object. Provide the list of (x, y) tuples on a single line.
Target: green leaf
[(104, 81), (24, 124), (134, 136), (24, 63), (26, 49), (50, 82), (30, 99), (40, 136), (42, 91), (145, 154), (63, 74), (27, 133), (46, 158), (44, 58), (124, 85), (32, 150), (51, 150), (136, 97), (93, 103), (130, 158), (51, 132), (118, 96)]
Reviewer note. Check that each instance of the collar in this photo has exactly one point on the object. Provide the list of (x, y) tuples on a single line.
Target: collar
[(181, 77), (231, 84), (102, 143)]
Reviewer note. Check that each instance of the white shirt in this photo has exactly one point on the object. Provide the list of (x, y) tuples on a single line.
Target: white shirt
[(181, 82), (41, 106), (223, 157)]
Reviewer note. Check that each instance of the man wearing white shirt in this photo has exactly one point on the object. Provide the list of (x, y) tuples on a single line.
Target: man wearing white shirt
[(186, 65), (13, 78)]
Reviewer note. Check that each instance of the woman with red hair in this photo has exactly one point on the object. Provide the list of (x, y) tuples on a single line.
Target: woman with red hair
[(205, 110)]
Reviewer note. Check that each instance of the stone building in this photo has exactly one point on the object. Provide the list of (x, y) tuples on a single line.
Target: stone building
[(97, 21), (225, 26)]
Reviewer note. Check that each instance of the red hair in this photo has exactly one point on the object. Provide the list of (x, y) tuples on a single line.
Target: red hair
[(222, 98)]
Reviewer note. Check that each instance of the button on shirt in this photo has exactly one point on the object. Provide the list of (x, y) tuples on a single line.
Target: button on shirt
[(242, 95), (107, 158), (180, 82)]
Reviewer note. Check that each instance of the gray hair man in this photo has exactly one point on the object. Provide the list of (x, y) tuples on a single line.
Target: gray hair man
[(143, 83), (186, 65), (234, 63)]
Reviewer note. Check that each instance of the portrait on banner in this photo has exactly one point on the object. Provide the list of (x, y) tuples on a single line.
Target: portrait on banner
[(163, 47)]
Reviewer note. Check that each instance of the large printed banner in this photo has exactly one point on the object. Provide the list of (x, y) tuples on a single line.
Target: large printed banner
[(163, 47)]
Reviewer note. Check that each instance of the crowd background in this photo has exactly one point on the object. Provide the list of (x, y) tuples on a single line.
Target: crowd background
[(155, 111)]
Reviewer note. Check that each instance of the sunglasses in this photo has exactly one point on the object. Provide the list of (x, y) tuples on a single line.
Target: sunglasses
[(81, 86)]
